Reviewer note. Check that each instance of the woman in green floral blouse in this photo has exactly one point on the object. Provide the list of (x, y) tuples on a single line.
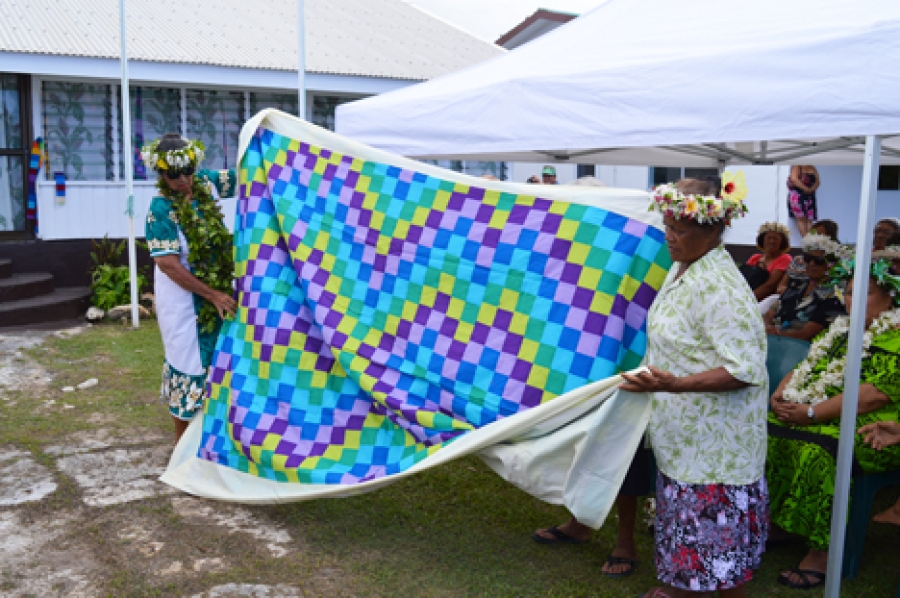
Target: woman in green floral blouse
[(804, 424)]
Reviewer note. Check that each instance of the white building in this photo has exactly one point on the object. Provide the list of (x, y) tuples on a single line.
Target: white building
[(198, 68)]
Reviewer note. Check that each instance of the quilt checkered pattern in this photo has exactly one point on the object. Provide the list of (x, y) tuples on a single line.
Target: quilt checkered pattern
[(385, 312)]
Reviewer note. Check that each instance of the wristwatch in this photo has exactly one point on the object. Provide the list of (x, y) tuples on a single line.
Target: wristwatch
[(811, 413)]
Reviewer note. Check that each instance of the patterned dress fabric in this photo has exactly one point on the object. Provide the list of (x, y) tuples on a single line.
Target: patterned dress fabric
[(188, 350), (801, 473), (800, 203), (709, 536), (795, 308), (384, 313)]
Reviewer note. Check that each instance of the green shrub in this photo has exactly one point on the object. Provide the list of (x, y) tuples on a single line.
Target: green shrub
[(110, 280), (112, 286)]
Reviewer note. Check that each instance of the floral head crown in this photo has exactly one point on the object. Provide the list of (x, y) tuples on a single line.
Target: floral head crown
[(834, 251), (775, 227), (880, 272), (190, 154), (669, 201)]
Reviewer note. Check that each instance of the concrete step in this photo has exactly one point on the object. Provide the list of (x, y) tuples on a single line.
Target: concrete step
[(62, 304), (6, 269), (24, 286)]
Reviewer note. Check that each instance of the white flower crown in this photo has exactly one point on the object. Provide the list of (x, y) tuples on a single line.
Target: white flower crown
[(774, 227), (833, 250), (190, 154), (669, 201)]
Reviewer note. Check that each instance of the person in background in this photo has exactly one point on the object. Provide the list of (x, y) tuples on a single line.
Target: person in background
[(548, 175), (809, 304), (191, 301), (890, 252), (884, 228), (820, 229), (802, 185), (804, 425), (763, 271), (706, 378)]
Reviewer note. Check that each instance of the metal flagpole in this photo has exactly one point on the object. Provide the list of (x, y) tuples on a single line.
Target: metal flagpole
[(301, 60), (851, 370), (128, 150)]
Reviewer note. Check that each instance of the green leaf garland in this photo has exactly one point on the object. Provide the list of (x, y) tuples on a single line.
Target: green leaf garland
[(210, 244)]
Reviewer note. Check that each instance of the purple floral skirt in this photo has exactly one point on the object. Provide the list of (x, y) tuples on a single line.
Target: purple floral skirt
[(709, 536)]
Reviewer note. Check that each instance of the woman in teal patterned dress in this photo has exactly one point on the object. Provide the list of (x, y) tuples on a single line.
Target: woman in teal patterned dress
[(194, 269), (804, 424)]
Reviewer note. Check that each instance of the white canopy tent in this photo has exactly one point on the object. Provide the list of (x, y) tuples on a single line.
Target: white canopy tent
[(664, 83), (704, 83)]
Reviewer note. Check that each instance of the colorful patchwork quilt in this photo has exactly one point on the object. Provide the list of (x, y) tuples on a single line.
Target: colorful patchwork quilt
[(386, 310)]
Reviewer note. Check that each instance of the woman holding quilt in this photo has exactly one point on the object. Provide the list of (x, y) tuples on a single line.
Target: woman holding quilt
[(194, 270), (707, 381)]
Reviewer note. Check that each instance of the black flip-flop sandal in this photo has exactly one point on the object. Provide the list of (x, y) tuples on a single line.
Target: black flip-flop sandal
[(620, 560), (805, 575), (559, 537)]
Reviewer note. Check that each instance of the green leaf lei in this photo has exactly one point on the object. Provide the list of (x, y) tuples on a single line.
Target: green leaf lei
[(209, 243)]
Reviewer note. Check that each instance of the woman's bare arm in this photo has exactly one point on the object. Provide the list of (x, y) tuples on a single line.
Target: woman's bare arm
[(770, 286), (656, 380), (818, 180), (870, 399)]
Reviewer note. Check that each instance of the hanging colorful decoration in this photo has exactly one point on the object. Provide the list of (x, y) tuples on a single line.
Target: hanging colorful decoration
[(34, 166)]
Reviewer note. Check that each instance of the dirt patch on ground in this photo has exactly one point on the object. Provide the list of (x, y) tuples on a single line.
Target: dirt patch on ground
[(82, 512)]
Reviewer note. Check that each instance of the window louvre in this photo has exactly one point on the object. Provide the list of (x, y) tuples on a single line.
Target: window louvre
[(215, 118), (286, 102), (78, 130), (155, 111)]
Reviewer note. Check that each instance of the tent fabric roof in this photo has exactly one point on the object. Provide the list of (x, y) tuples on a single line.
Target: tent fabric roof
[(701, 83), (373, 38)]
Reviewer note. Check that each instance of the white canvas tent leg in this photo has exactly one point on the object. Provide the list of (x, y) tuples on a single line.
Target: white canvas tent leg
[(128, 151), (851, 372)]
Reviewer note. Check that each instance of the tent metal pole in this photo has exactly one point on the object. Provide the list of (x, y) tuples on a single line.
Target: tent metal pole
[(851, 371), (128, 166), (301, 60)]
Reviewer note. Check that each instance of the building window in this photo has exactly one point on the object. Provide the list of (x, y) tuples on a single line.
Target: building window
[(13, 152), (78, 130), (155, 111), (323, 108), (889, 178), (583, 170), (286, 102), (473, 168), (215, 118), (660, 175)]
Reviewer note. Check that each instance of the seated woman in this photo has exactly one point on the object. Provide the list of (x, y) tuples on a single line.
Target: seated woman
[(884, 229), (822, 235), (765, 270), (809, 303), (804, 424)]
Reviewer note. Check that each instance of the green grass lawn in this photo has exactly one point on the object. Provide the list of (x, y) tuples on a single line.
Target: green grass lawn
[(457, 530)]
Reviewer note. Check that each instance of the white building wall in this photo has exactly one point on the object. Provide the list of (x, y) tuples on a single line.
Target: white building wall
[(94, 210), (837, 199), (625, 177)]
